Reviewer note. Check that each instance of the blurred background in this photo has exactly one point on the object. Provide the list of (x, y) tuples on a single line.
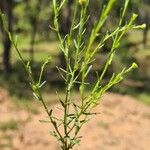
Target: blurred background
[(30, 21)]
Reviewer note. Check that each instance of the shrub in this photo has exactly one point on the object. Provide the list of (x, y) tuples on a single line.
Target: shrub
[(79, 52)]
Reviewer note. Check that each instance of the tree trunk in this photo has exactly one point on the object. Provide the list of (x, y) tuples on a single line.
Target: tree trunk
[(6, 54), (6, 7)]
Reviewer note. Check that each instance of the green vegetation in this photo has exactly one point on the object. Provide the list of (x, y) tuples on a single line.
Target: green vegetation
[(79, 55), (86, 54), (9, 125), (144, 97), (133, 47)]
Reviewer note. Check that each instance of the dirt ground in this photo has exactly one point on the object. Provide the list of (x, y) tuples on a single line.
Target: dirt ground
[(124, 124)]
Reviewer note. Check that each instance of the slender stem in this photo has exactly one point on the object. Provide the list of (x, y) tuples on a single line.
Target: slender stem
[(46, 109)]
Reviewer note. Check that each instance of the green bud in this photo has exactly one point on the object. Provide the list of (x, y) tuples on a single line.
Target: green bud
[(134, 15), (82, 2), (143, 26), (134, 65), (133, 18)]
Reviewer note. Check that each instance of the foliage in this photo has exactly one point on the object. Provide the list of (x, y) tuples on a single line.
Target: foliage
[(79, 53), (9, 125)]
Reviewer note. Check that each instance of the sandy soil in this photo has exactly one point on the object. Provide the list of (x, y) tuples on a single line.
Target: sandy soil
[(124, 124)]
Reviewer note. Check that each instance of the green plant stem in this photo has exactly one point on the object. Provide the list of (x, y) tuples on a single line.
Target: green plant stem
[(93, 36)]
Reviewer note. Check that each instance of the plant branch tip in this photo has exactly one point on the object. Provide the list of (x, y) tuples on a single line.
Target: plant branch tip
[(83, 2), (134, 65)]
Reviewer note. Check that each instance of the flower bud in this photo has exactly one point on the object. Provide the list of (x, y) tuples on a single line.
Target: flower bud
[(134, 65), (134, 15), (82, 2)]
